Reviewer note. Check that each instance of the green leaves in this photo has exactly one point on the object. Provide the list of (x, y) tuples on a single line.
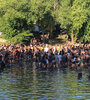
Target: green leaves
[(17, 17), (22, 36), (80, 15), (72, 15)]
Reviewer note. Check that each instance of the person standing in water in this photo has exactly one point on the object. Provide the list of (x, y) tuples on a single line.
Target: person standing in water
[(79, 73)]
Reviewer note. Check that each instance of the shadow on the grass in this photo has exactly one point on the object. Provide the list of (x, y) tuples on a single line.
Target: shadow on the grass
[(57, 41)]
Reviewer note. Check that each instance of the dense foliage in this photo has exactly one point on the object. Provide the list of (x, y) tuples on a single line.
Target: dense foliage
[(17, 17)]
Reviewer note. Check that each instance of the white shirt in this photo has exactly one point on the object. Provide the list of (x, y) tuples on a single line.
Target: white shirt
[(46, 49)]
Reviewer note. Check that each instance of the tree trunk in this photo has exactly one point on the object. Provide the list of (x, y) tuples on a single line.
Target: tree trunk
[(54, 5), (51, 35), (72, 36)]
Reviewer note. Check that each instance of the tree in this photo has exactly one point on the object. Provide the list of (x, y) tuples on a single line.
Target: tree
[(17, 17), (80, 17), (73, 15), (14, 19)]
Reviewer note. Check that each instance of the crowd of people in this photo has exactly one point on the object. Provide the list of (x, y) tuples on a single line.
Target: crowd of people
[(46, 56)]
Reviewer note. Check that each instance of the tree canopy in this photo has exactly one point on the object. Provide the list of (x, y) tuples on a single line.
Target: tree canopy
[(17, 17)]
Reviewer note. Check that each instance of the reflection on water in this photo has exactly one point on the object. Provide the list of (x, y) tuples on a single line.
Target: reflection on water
[(24, 83)]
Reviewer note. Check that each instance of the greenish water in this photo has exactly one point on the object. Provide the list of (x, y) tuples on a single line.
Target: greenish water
[(23, 83)]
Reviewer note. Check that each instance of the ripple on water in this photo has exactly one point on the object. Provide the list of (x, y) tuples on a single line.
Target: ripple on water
[(43, 85)]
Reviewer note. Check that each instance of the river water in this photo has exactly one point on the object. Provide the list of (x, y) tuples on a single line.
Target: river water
[(23, 83)]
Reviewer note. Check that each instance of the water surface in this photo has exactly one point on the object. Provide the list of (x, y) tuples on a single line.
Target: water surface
[(24, 83)]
